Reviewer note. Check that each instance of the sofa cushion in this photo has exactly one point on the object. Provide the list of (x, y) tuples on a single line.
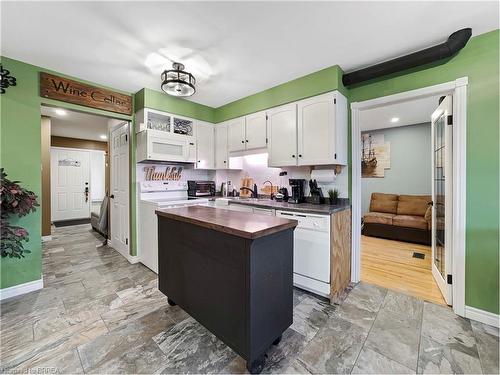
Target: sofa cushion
[(415, 205), (378, 218), (381, 202), (410, 221)]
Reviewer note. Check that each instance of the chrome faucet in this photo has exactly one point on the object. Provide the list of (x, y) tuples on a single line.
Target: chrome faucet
[(272, 195), (255, 194)]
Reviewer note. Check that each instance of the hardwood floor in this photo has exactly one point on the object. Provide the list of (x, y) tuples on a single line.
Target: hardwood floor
[(390, 264)]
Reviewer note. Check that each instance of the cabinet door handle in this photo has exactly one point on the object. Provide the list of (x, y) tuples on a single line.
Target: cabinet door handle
[(300, 155), (191, 143), (224, 162), (293, 156), (242, 141), (246, 140)]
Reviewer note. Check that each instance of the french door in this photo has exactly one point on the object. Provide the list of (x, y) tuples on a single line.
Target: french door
[(442, 191)]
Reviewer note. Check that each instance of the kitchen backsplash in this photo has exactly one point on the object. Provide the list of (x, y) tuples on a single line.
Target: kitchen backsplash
[(255, 166)]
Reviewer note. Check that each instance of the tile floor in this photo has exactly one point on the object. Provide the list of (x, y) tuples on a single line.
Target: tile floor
[(100, 314)]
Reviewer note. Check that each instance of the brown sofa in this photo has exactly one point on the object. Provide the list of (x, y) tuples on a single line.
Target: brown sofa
[(399, 217)]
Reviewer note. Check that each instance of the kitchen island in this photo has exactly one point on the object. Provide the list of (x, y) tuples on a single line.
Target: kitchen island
[(232, 272)]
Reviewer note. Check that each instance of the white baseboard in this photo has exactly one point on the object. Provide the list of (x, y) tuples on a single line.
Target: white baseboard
[(46, 238), (131, 258), (482, 316), (17, 290)]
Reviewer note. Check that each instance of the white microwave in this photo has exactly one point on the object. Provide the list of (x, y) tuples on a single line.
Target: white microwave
[(157, 145)]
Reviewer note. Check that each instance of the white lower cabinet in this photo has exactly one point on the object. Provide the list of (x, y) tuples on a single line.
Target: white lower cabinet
[(263, 211)]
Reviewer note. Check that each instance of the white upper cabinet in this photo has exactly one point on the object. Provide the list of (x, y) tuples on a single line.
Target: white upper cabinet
[(256, 135), (221, 155), (282, 135), (322, 130), (205, 145), (236, 134)]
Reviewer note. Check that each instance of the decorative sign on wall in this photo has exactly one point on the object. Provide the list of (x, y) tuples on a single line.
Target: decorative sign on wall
[(375, 155), (173, 173), (67, 90), (69, 163)]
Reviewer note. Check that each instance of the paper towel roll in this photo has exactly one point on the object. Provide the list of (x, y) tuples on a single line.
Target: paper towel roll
[(323, 175)]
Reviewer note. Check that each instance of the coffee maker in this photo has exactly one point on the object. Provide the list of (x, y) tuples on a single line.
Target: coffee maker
[(297, 185)]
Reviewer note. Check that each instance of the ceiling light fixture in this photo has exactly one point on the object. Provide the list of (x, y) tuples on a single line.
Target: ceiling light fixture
[(60, 112), (394, 119), (177, 81), (102, 136)]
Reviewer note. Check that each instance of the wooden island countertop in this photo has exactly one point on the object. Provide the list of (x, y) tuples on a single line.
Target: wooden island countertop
[(241, 224)]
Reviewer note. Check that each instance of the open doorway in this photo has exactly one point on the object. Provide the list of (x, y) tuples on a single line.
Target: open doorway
[(396, 196), (80, 169), (448, 184)]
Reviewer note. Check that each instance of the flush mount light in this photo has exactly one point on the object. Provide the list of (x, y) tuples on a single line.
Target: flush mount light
[(102, 136), (395, 119), (177, 81), (60, 112)]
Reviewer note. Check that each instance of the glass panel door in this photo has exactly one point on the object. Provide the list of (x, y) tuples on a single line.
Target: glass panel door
[(442, 133)]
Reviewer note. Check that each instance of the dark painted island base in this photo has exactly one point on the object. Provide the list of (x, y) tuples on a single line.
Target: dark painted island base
[(240, 289)]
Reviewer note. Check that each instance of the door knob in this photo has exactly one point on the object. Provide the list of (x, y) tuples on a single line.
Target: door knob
[(112, 196)]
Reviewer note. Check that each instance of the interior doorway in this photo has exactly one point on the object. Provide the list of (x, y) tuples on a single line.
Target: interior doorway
[(455, 227), (76, 165), (396, 191)]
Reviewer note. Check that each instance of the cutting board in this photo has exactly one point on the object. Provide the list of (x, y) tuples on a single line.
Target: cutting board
[(266, 190), (246, 182)]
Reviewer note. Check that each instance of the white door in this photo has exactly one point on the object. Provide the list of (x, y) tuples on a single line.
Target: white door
[(221, 147), (236, 134), (119, 202), (70, 184), (256, 136), (442, 197), (316, 130), (282, 135), (205, 146)]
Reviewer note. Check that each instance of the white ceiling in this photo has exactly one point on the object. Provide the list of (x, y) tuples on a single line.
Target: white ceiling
[(76, 124), (234, 48), (411, 112)]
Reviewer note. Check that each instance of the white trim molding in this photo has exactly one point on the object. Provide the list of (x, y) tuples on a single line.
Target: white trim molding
[(482, 316), (131, 258), (17, 290), (46, 238), (458, 89)]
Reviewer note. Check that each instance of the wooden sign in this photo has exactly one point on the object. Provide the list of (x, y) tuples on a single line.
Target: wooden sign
[(67, 90)]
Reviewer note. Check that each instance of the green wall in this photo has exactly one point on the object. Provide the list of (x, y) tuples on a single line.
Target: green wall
[(20, 155), (478, 61), (316, 83)]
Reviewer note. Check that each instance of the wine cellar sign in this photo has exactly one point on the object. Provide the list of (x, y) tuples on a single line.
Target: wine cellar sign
[(67, 90)]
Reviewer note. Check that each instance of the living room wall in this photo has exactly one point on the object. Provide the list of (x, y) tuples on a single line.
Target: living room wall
[(410, 172)]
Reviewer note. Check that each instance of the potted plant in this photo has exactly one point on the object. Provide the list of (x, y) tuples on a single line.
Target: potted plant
[(334, 196), (15, 200)]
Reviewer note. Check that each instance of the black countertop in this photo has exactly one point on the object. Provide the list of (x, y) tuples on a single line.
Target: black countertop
[(298, 207)]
